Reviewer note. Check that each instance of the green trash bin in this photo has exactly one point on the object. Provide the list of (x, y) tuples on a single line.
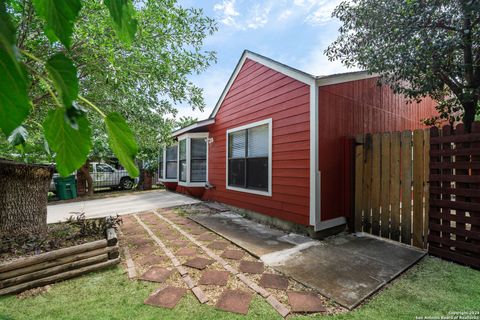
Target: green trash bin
[(66, 187)]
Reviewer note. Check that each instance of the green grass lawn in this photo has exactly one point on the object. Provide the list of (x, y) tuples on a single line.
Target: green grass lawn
[(433, 287)]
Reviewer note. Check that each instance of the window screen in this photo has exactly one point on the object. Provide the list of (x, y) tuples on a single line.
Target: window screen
[(171, 162), (248, 158), (198, 165), (183, 160)]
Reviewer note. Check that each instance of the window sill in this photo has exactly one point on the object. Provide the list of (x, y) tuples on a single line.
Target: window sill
[(168, 180), (258, 192)]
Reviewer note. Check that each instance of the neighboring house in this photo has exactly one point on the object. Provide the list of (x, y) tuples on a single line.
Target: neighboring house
[(279, 141)]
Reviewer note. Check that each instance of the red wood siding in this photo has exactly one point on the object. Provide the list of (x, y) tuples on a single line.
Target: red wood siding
[(352, 108), (260, 93)]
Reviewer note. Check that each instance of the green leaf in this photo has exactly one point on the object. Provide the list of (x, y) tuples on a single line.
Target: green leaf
[(71, 146), (122, 141), (122, 12), (14, 101), (64, 76), (18, 136), (60, 16)]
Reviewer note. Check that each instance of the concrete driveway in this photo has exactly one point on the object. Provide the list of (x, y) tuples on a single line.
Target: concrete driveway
[(131, 203)]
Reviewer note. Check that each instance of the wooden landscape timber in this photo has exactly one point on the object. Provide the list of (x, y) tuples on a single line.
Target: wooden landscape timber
[(46, 268)]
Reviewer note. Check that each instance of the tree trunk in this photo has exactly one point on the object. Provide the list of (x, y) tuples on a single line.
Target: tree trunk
[(23, 197), (469, 108)]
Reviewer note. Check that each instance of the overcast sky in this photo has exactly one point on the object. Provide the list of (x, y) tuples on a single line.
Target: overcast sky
[(293, 32)]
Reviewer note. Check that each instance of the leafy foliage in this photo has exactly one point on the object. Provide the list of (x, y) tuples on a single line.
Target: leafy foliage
[(138, 79), (418, 47)]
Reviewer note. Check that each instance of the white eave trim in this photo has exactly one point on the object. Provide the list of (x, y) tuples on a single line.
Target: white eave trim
[(267, 62), (344, 77), (195, 125)]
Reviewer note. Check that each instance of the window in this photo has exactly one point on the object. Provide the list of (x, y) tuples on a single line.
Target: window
[(104, 168), (171, 162), (249, 158), (198, 162), (183, 160), (160, 164)]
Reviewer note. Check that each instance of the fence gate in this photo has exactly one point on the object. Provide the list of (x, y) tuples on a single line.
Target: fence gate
[(455, 194), (391, 190)]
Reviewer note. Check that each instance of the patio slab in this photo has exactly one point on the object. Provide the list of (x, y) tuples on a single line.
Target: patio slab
[(166, 298), (254, 237), (234, 301), (345, 268)]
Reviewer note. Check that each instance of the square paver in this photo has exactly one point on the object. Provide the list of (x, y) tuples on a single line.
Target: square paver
[(178, 243), (196, 231), (185, 252), (145, 250), (207, 236), (166, 298), (305, 302), (198, 263), (234, 301), (214, 277), (156, 274), (151, 260), (233, 254), (170, 237), (251, 267), (274, 281), (217, 245), (139, 241)]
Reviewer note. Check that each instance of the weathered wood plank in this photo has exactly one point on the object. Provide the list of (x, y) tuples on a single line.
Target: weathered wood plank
[(426, 186), (406, 221), (385, 186), (367, 184), (434, 220), (395, 186), (418, 188), (376, 178), (358, 182)]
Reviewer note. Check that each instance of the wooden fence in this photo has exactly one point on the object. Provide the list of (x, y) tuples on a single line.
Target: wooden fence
[(391, 197), (455, 194)]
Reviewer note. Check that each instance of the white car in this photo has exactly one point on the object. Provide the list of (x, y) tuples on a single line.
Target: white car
[(106, 176)]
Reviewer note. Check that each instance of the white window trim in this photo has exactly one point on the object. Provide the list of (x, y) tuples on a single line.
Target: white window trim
[(247, 126), (188, 137), (165, 165)]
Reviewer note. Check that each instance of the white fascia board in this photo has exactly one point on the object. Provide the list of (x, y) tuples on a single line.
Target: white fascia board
[(267, 62), (344, 77), (195, 125)]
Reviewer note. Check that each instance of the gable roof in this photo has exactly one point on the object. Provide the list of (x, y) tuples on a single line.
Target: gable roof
[(288, 71)]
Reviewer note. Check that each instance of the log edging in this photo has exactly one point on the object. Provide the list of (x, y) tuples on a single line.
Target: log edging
[(46, 268)]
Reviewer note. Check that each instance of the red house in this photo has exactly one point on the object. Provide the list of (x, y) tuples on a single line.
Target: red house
[(278, 141)]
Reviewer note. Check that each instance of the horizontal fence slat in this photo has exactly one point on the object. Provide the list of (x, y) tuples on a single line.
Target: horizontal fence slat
[(474, 193), (457, 257), (456, 231), (467, 246), (454, 178), (454, 152), (458, 205), (472, 137), (456, 165), (454, 217)]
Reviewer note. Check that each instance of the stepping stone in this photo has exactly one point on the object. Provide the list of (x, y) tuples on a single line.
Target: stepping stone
[(138, 242), (217, 245), (251, 267), (151, 260), (171, 237), (197, 231), (207, 237), (214, 277), (186, 252), (233, 254), (198, 263), (234, 301), (178, 243), (145, 250), (182, 221), (166, 298), (305, 302), (156, 274), (274, 281)]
